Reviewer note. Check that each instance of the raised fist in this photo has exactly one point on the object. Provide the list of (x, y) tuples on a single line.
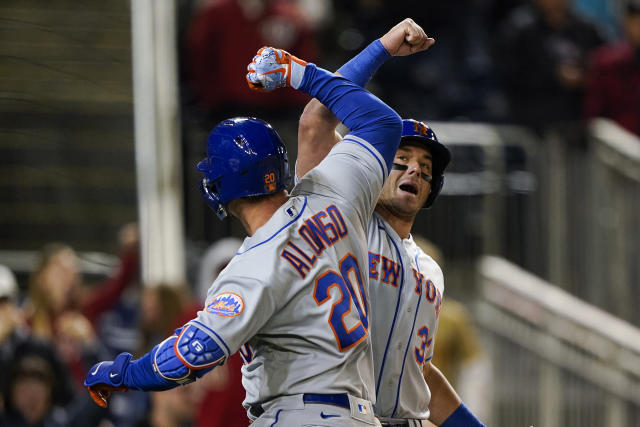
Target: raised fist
[(406, 38)]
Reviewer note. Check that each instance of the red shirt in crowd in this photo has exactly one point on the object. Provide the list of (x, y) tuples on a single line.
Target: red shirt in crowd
[(223, 36), (613, 85)]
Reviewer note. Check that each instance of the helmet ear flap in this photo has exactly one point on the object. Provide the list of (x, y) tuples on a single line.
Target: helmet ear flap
[(436, 187), (211, 198)]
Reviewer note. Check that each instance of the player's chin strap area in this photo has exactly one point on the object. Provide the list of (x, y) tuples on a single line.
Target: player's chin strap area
[(212, 198), (400, 167)]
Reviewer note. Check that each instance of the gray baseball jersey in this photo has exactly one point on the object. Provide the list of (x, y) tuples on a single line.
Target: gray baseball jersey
[(296, 292), (405, 288)]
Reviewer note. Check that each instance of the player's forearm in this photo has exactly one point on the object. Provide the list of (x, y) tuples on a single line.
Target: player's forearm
[(364, 114), (445, 406), (444, 399), (361, 68), (316, 129), (316, 136)]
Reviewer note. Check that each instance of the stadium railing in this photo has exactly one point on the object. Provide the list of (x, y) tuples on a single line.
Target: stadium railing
[(558, 361)]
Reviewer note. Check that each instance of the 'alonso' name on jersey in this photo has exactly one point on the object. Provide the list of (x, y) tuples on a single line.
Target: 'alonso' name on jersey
[(319, 232)]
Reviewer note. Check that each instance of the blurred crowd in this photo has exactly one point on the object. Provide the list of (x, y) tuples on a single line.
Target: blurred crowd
[(530, 62), (55, 326), (546, 65)]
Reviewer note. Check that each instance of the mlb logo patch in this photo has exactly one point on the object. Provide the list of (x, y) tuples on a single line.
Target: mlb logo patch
[(362, 409), (226, 304), (291, 211)]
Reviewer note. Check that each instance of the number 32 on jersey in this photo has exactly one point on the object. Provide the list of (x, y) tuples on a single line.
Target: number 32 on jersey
[(425, 343), (347, 284)]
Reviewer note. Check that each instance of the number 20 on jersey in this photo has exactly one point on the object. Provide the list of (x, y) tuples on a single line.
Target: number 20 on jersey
[(351, 292)]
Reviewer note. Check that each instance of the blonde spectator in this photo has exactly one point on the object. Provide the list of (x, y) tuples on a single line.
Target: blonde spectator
[(61, 309)]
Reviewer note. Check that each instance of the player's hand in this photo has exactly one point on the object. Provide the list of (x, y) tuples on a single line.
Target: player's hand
[(100, 393), (107, 377), (406, 38), (272, 68)]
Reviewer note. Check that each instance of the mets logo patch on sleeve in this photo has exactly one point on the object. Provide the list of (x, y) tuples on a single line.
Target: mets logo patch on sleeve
[(226, 304)]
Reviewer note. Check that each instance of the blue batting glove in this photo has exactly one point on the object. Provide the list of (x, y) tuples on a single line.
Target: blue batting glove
[(106, 377)]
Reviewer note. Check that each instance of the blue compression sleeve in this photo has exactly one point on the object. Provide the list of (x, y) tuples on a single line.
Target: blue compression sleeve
[(365, 115), (462, 417), (364, 65), (140, 375)]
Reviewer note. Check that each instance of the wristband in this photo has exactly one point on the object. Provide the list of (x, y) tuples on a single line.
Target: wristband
[(363, 66), (462, 417)]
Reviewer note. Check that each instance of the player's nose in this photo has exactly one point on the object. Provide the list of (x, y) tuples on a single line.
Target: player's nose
[(413, 167)]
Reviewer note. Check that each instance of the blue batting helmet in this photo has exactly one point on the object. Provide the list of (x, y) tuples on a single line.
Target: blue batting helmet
[(245, 157), (421, 135)]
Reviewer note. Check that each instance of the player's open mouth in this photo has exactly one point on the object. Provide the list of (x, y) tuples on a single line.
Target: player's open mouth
[(409, 188)]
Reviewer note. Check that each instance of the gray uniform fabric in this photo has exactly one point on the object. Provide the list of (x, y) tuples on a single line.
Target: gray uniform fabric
[(406, 288), (296, 292)]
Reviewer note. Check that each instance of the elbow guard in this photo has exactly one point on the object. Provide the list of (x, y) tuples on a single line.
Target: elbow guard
[(189, 355)]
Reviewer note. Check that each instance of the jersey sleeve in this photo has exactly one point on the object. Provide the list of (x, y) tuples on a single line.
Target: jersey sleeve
[(353, 172), (367, 116), (235, 310)]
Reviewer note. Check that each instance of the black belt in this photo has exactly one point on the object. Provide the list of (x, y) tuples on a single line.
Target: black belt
[(341, 400), (398, 422)]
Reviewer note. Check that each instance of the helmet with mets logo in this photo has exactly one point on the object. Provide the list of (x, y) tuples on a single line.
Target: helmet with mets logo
[(245, 157)]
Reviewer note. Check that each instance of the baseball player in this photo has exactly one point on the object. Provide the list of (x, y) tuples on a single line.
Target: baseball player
[(294, 298), (406, 285)]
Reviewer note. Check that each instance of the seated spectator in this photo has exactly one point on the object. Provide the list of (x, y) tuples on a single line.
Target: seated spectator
[(30, 394), (613, 84), (541, 55), (61, 310), (37, 387), (13, 328)]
